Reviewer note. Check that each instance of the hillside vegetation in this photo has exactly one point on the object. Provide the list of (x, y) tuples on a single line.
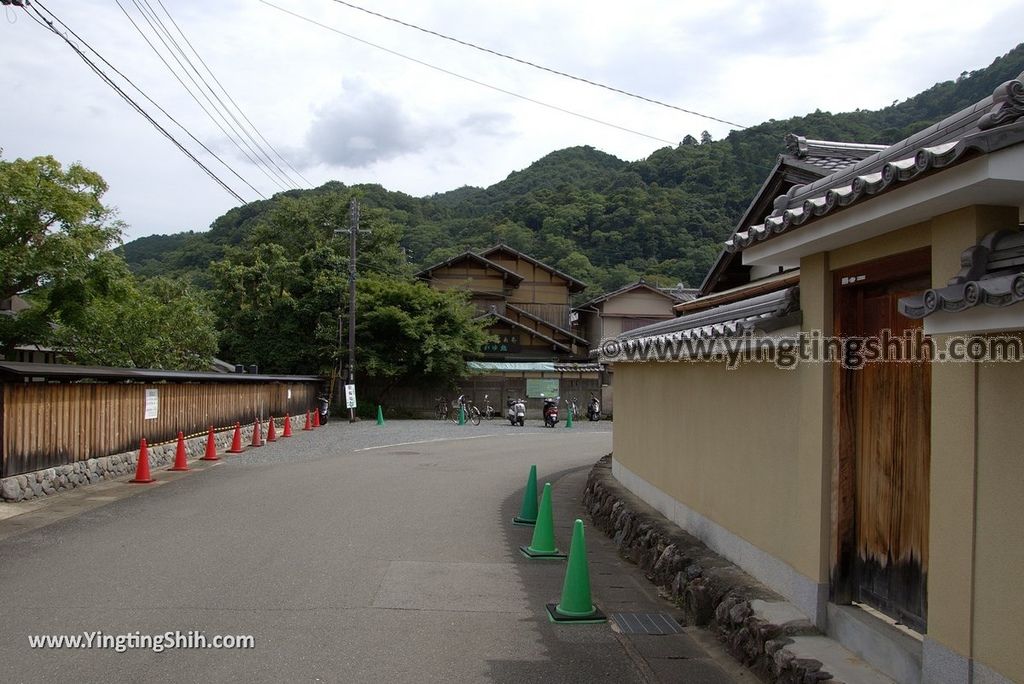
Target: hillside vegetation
[(605, 220)]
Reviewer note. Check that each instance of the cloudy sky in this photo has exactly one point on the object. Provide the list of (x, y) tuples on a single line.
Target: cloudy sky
[(339, 109)]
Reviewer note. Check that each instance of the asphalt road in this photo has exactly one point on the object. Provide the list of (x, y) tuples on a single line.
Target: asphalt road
[(344, 561)]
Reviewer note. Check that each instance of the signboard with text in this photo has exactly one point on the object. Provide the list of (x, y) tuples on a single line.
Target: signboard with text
[(537, 388), (152, 403), (506, 344), (350, 396)]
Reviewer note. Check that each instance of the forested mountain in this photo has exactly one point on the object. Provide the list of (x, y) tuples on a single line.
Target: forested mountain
[(605, 220)]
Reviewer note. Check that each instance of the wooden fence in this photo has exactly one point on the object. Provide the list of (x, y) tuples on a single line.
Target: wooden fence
[(46, 424)]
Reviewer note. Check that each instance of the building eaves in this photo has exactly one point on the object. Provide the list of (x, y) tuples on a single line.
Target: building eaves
[(993, 275), (532, 366), (538, 319), (21, 370), (520, 326), (472, 256), (574, 284), (761, 313), (988, 125), (804, 162), (640, 284), (778, 281)]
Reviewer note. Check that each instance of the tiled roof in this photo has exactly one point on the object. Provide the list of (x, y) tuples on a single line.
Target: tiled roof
[(828, 155), (992, 274), (20, 370), (574, 284), (579, 367), (673, 294), (762, 313), (803, 162), (984, 127), (519, 326), (473, 256), (542, 366)]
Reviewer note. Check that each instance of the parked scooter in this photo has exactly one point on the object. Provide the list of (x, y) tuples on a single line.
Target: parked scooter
[(551, 411), (516, 412), (594, 408)]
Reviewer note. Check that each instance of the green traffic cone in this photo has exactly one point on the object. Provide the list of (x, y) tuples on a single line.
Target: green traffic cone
[(568, 419), (380, 415), (543, 544), (576, 605), (528, 511), (462, 414)]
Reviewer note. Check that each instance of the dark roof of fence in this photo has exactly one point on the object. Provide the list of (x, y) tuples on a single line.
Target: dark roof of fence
[(21, 370)]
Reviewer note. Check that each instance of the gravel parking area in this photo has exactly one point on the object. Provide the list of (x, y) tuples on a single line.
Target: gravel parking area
[(340, 437)]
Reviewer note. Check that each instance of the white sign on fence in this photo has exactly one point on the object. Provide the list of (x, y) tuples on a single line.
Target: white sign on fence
[(350, 396), (152, 403), (289, 392)]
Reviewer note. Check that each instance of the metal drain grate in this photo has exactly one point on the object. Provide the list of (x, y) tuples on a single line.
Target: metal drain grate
[(646, 623)]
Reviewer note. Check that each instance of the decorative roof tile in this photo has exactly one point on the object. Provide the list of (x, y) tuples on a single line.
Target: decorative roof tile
[(986, 126), (762, 313), (992, 274)]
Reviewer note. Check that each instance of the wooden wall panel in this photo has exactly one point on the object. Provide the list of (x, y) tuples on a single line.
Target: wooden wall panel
[(50, 424)]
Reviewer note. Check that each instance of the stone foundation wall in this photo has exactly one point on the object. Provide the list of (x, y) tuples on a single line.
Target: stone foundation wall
[(711, 591), (50, 481)]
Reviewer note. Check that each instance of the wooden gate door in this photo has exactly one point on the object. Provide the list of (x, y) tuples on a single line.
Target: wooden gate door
[(886, 438)]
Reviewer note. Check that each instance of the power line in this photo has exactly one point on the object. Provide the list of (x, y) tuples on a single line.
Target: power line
[(151, 101), (231, 99), (260, 153), (467, 78), (536, 66), (174, 73), (48, 25)]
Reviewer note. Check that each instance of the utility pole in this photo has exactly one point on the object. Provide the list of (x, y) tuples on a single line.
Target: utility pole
[(353, 230)]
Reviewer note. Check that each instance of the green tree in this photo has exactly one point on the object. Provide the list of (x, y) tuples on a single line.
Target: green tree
[(160, 323), (53, 226), (410, 334)]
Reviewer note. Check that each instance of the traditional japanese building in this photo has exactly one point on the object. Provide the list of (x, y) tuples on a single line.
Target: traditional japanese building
[(845, 483), (525, 301)]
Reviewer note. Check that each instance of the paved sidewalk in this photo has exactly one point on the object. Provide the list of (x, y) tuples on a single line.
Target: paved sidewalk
[(691, 656)]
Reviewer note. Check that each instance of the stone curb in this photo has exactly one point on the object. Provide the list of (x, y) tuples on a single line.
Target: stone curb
[(711, 591), (57, 479)]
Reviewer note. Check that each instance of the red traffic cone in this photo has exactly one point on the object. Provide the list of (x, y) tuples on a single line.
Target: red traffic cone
[(287, 426), (272, 431), (236, 441), (142, 475), (307, 425), (180, 460), (257, 434), (316, 418), (211, 447)]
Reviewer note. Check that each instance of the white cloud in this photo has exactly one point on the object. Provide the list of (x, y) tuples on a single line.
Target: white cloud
[(346, 111)]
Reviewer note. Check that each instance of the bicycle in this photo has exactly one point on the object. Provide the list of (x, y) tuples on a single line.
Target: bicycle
[(572, 408), (488, 411), (470, 413), (441, 410)]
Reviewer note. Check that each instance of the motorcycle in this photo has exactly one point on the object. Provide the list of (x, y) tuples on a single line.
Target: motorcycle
[(594, 408), (551, 411), (516, 412)]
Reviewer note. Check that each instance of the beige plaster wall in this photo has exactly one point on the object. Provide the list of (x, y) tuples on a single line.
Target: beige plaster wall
[(722, 442), (999, 542), (954, 441)]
